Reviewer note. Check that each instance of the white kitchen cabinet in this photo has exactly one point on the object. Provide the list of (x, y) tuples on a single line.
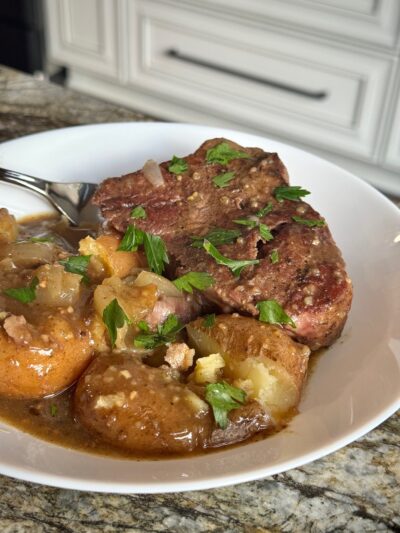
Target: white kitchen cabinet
[(318, 73), (83, 34)]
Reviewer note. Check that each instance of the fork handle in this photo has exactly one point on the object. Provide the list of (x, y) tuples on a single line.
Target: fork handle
[(23, 180)]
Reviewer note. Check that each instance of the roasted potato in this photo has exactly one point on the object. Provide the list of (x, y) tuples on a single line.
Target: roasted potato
[(45, 360), (259, 358)]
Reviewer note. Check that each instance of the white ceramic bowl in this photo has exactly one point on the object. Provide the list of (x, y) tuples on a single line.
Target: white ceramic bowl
[(356, 383)]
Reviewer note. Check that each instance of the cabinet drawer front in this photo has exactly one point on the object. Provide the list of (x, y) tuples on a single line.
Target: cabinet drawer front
[(372, 21), (83, 34), (263, 79)]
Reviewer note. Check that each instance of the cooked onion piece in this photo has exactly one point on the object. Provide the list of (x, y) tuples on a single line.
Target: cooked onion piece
[(8, 227), (152, 172), (57, 288)]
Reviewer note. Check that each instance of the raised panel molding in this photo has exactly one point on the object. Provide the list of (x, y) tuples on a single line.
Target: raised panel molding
[(83, 34), (392, 157)]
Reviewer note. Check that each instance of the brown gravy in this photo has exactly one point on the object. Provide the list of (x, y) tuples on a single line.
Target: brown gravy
[(51, 419)]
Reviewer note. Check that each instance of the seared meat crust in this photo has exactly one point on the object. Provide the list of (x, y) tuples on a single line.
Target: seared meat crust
[(309, 280)]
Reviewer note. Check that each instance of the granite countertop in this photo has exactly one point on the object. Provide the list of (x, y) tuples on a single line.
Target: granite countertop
[(354, 489)]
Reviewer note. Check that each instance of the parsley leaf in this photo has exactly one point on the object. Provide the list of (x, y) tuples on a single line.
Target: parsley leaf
[(292, 193), (222, 180), (217, 237), (246, 222), (25, 295), (208, 321), (114, 318), (223, 398), (177, 165), (156, 252), (311, 223), (197, 280), (236, 265), (263, 228), (265, 210), (77, 264), (138, 212), (131, 240), (53, 409), (272, 312), (154, 247), (265, 232), (274, 257), (165, 333), (222, 153)]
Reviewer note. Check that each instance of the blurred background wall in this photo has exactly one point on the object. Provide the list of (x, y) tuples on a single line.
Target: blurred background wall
[(321, 74)]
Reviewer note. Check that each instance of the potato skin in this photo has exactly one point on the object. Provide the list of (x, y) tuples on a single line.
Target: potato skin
[(244, 337), (48, 364), (138, 407)]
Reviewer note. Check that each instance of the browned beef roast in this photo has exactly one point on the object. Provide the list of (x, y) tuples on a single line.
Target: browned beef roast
[(309, 280)]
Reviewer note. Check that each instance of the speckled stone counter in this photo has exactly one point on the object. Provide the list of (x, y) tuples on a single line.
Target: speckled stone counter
[(354, 489)]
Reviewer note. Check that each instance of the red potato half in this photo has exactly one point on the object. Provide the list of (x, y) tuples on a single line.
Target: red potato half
[(259, 358)]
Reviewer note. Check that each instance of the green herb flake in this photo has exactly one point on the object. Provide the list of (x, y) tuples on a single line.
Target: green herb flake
[(156, 252), (24, 295), (217, 237), (293, 193), (265, 210), (222, 180), (274, 257), (246, 222), (53, 410), (194, 280), (208, 321), (222, 153), (236, 265), (265, 232), (131, 240), (272, 312), (223, 398), (114, 318), (77, 264), (177, 165), (311, 223), (164, 334), (138, 212)]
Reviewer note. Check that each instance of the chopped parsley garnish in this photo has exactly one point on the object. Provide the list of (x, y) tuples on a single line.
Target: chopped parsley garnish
[(222, 153), (131, 240), (222, 180), (311, 223), (156, 252), (138, 212), (265, 210), (272, 312), (114, 318), (223, 398), (265, 232), (293, 193), (236, 265), (77, 264), (53, 409), (246, 222), (154, 247), (208, 321), (217, 237), (25, 295), (177, 165), (263, 228), (165, 333), (194, 280), (274, 257)]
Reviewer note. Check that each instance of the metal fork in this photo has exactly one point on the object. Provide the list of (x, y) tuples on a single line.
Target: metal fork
[(70, 199)]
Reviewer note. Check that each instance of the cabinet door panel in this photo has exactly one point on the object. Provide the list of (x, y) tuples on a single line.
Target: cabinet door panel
[(83, 34)]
